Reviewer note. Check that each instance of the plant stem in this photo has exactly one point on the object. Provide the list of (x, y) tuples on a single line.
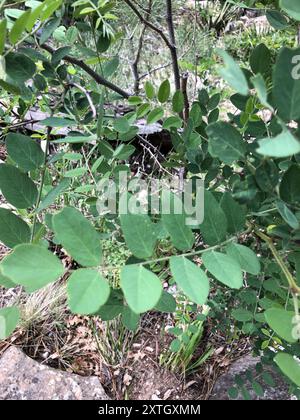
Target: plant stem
[(295, 289), (44, 167), (173, 49), (191, 254), (43, 173), (97, 77)]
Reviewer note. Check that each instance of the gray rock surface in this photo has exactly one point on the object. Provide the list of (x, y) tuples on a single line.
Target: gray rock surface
[(227, 380), (21, 378)]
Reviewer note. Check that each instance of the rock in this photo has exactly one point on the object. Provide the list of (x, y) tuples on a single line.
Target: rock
[(21, 378), (248, 363)]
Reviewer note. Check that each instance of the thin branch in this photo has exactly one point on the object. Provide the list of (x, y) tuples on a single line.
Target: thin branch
[(92, 106), (149, 24), (164, 66), (99, 79), (135, 69), (170, 43), (185, 77), (173, 48)]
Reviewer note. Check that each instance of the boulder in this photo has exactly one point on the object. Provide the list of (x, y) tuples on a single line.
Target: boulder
[(22, 378), (239, 368)]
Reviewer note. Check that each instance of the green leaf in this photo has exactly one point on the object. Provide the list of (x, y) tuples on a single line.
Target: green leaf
[(61, 122), (51, 7), (290, 186), (143, 110), (196, 114), (40, 82), (267, 175), (3, 31), (224, 268), (267, 377), (9, 318), (135, 100), (19, 67), (24, 151), (166, 303), (130, 135), (54, 193), (214, 226), (130, 319), (289, 366), (6, 282), (113, 307), (87, 292), (34, 15), (247, 259), (235, 213), (78, 236), (283, 145), (139, 234), (16, 187), (258, 389), (261, 89), (276, 19), (191, 279), (150, 91), (72, 34), (121, 125), (291, 7), (18, 27), (59, 54), (124, 151), (242, 315), (48, 29), (2, 69), (164, 92), (175, 346), (155, 115), (142, 289), (172, 122), (225, 142), (178, 102), (15, 90), (213, 116), (260, 59), (13, 230), (32, 266), (73, 173), (232, 73), (286, 84), (103, 43), (74, 139), (281, 321), (287, 215), (175, 222), (213, 101), (233, 393)]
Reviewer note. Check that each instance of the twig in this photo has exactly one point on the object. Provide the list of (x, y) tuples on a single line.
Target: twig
[(173, 48), (99, 79), (185, 77), (44, 168), (92, 106), (135, 64), (149, 24), (170, 43), (21, 124), (295, 289)]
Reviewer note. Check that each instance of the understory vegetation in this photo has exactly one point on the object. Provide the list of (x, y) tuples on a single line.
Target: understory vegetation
[(150, 190)]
